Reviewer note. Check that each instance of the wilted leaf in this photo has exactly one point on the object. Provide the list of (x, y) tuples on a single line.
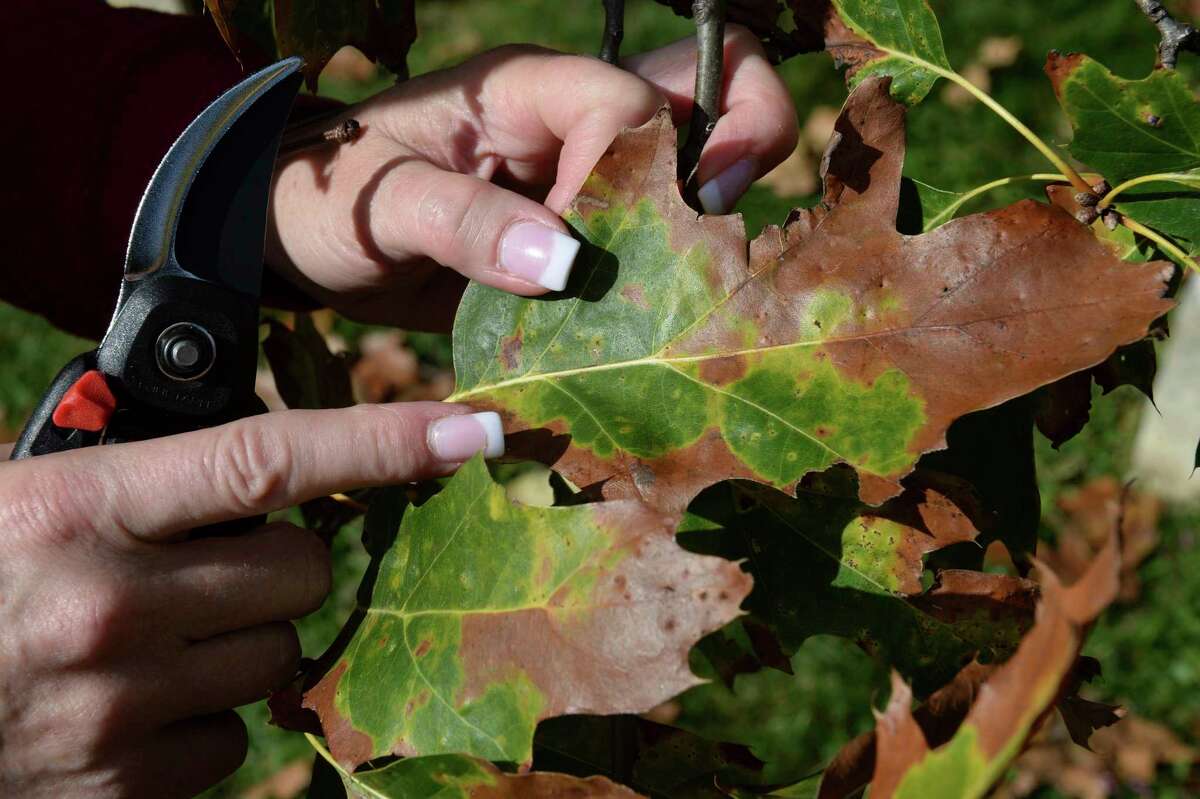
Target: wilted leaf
[(486, 617), (458, 777), (659, 761), (893, 38), (1090, 513), (1010, 703), (1129, 128), (261, 31), (307, 374), (678, 357), (824, 563)]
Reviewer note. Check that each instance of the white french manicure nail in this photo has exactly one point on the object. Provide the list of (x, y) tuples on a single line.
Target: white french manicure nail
[(539, 254), (456, 438), (719, 194)]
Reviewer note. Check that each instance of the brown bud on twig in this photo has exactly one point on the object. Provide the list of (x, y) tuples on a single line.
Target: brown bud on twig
[(1111, 217), (1087, 215), (1086, 199)]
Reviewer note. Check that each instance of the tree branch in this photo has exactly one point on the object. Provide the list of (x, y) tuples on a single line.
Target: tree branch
[(614, 30), (1175, 35), (710, 52)]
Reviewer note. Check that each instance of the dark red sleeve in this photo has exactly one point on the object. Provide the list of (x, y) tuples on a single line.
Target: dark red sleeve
[(96, 95)]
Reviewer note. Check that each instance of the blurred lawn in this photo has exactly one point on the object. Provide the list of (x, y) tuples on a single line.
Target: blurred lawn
[(1150, 651)]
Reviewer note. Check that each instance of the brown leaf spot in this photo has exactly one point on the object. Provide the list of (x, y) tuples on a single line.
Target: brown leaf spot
[(635, 295), (510, 351), (423, 648), (723, 371)]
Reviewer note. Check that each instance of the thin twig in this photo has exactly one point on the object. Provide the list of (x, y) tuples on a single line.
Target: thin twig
[(710, 51), (1175, 35), (614, 30)]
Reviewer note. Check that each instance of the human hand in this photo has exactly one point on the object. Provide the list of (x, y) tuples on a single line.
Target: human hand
[(123, 644), (451, 167)]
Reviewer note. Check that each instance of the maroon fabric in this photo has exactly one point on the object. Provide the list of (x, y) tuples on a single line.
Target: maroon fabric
[(96, 95)]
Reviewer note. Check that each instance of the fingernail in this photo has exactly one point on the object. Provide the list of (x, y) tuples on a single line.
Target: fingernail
[(457, 438), (539, 254), (719, 194)]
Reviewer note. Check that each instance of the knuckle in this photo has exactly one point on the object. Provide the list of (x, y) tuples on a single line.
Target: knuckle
[(393, 440), (94, 620), (443, 215), (250, 467)]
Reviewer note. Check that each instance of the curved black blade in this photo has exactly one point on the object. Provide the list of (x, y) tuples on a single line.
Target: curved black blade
[(204, 212)]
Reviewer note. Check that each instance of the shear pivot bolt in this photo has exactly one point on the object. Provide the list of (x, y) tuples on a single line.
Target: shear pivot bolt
[(185, 351)]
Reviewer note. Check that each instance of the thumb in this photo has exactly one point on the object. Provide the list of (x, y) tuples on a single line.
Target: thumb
[(487, 233)]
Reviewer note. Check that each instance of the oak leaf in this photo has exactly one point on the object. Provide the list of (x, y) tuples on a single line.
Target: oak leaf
[(485, 617), (679, 356), (1132, 128)]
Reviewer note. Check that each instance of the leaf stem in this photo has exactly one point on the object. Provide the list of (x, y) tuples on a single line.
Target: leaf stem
[(1164, 244), (710, 72), (949, 211), (979, 94), (1186, 178), (316, 744)]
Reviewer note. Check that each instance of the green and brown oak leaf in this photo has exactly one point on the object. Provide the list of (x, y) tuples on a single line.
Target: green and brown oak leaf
[(484, 617), (680, 355)]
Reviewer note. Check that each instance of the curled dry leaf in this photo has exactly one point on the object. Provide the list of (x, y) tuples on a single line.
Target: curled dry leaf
[(486, 617), (679, 356), (1010, 703)]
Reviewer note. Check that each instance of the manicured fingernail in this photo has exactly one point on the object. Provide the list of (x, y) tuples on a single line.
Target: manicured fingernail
[(457, 438), (719, 194), (538, 254)]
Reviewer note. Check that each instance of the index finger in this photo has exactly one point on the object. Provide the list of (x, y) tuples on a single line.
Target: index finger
[(154, 490)]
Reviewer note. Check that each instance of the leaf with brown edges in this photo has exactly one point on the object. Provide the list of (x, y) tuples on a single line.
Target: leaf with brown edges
[(680, 356)]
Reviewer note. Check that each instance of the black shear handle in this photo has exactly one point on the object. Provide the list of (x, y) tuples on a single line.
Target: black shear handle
[(41, 436)]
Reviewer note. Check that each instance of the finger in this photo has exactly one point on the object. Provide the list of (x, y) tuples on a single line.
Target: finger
[(184, 758), (217, 585), (546, 117), (234, 669), (155, 490), (485, 232), (758, 127)]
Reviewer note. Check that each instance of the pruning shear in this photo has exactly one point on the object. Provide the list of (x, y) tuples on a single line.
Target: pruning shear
[(181, 350)]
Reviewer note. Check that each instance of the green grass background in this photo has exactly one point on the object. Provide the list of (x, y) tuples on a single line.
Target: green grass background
[(1150, 650)]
